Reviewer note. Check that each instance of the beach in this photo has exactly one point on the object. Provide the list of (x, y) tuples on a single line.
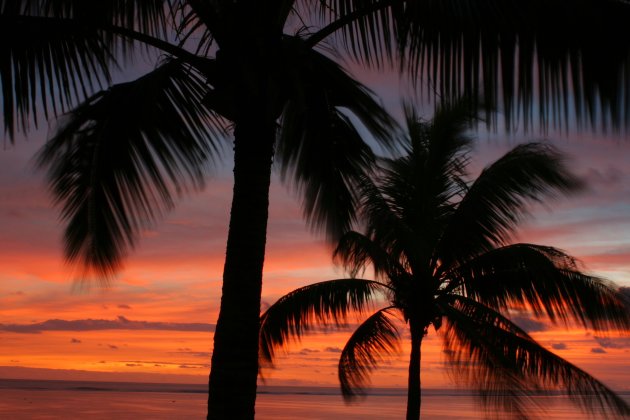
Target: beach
[(39, 400)]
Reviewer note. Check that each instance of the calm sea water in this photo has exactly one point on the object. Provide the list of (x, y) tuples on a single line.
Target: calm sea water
[(38, 400)]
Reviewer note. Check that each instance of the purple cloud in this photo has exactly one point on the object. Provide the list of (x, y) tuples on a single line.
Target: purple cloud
[(121, 323), (598, 350), (559, 346), (529, 324), (202, 354), (613, 342), (332, 350), (161, 363)]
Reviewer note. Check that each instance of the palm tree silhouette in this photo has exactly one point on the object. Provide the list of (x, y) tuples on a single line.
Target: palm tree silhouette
[(262, 68), (439, 246)]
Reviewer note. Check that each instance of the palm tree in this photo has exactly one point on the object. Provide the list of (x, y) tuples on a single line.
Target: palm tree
[(262, 68), (439, 246)]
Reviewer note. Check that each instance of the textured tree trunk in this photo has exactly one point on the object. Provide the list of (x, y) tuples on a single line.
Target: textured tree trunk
[(414, 390), (234, 368)]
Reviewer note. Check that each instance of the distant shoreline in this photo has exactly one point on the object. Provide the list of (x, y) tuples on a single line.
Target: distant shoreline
[(99, 386)]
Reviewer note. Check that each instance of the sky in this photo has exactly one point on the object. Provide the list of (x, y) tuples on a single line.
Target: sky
[(154, 321)]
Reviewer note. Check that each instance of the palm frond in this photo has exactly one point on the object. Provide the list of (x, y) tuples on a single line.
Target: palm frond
[(375, 339), (201, 20), (47, 65), (519, 55), (356, 251), (320, 304), (149, 17), (512, 54), (548, 281), (496, 202), (55, 53), (325, 160), (319, 148), (310, 72), (114, 161), (385, 222), (365, 28), (507, 362)]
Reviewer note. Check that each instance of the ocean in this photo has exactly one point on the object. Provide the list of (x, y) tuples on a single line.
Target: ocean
[(39, 400)]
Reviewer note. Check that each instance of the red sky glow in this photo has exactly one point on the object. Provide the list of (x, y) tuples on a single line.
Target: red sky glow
[(155, 319)]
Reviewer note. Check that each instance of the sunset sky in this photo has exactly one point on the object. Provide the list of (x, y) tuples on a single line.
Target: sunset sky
[(154, 322)]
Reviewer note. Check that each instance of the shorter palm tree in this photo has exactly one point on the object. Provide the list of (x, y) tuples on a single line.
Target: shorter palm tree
[(441, 253)]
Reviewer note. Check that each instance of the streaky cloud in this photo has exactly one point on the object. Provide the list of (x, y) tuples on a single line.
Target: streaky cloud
[(529, 324), (613, 342), (120, 323)]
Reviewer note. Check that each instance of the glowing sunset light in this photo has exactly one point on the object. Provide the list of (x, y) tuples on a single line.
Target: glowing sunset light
[(173, 278)]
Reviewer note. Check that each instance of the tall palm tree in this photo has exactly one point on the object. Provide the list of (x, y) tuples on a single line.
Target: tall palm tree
[(262, 68), (441, 253)]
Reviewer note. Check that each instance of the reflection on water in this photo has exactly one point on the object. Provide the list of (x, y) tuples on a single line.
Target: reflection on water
[(50, 402), (438, 407)]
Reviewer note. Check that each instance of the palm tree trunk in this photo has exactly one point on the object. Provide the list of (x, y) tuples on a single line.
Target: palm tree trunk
[(234, 368), (414, 391)]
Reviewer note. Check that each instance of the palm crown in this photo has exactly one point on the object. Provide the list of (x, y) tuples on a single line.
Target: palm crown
[(440, 250)]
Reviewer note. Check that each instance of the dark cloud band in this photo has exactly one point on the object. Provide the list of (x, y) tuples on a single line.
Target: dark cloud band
[(121, 323)]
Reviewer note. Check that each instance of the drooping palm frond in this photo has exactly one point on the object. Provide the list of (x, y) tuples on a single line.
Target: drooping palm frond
[(474, 363), (507, 362), (147, 16), (320, 149), (540, 61), (365, 28), (47, 65), (115, 160), (55, 53), (320, 304), (546, 280), (327, 161), (375, 339), (311, 72), (534, 56), (496, 202)]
